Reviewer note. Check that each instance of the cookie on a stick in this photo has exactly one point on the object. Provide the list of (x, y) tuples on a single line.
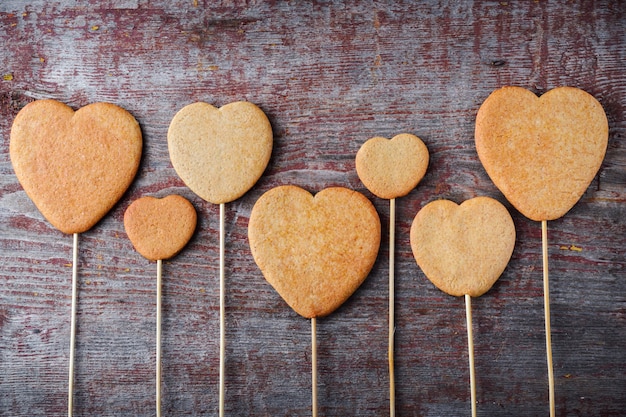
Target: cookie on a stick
[(220, 153), (391, 169), (74, 165), (314, 250), (463, 249), (159, 229), (542, 153)]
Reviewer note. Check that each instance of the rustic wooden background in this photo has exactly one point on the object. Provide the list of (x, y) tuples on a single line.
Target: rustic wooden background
[(329, 75)]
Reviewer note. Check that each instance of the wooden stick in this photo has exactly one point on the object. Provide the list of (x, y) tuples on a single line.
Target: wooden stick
[(546, 302), (392, 325), (470, 349), (158, 338), (222, 315), (314, 366), (70, 387)]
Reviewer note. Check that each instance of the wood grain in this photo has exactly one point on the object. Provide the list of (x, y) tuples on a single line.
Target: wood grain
[(329, 76)]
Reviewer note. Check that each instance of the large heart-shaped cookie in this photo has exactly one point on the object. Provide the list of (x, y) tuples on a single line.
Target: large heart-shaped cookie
[(160, 228), (314, 250), (220, 153), (463, 249), (74, 165), (541, 152), (392, 168)]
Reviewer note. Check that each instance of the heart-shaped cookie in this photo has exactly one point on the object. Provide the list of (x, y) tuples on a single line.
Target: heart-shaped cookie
[(392, 168), (314, 250), (160, 228), (220, 153), (74, 165), (541, 152), (463, 249)]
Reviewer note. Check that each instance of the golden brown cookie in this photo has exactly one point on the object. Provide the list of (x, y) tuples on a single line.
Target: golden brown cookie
[(74, 165), (541, 152), (392, 168), (220, 153), (463, 249), (160, 228), (314, 250)]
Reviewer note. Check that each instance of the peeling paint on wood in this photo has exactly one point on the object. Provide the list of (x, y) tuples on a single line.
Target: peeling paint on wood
[(330, 75)]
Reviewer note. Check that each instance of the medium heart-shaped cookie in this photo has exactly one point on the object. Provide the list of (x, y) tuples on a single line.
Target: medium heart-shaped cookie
[(74, 165), (392, 168), (220, 153), (160, 228), (463, 249), (314, 250), (541, 152)]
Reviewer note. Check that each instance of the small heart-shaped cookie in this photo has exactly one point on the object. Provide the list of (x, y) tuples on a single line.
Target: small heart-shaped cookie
[(314, 250), (463, 249), (392, 168), (160, 228), (541, 152), (220, 153), (74, 165)]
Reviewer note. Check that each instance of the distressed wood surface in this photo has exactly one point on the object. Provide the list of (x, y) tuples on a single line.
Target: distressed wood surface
[(329, 75)]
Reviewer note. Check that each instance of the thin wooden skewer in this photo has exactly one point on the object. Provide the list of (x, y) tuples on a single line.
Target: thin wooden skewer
[(392, 326), (70, 388), (314, 366), (158, 338), (470, 349), (546, 302), (222, 314)]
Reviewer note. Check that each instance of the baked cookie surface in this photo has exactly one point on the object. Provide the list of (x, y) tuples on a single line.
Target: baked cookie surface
[(75, 165), (314, 250), (220, 153), (391, 168), (541, 152), (159, 228), (463, 249)]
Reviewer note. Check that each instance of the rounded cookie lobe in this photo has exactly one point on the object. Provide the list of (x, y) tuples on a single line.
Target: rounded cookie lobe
[(314, 250), (220, 153), (160, 228), (541, 152), (75, 165), (463, 249), (392, 168)]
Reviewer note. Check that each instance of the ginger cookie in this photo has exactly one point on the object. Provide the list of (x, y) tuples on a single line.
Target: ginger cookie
[(314, 250), (160, 228), (392, 168), (463, 249), (220, 153), (74, 165), (541, 152)]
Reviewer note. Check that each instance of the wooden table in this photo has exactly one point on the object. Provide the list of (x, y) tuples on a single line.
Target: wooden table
[(329, 76)]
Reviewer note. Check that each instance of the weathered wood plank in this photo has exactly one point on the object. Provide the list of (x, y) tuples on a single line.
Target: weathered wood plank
[(329, 76)]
